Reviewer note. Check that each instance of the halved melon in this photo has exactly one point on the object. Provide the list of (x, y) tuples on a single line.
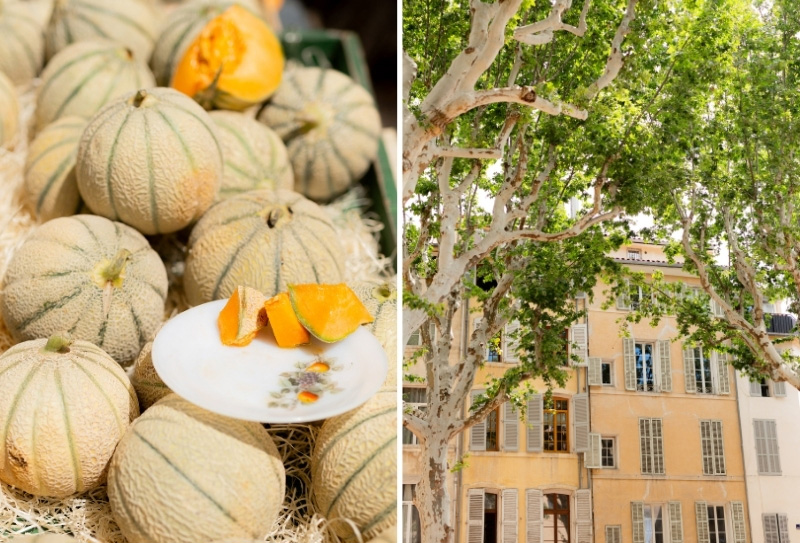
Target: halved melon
[(329, 312), (242, 317), (285, 325)]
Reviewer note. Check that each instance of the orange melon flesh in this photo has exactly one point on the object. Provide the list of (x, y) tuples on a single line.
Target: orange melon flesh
[(242, 317), (329, 312), (287, 329)]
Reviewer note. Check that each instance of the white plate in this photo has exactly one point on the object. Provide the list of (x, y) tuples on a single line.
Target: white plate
[(246, 382)]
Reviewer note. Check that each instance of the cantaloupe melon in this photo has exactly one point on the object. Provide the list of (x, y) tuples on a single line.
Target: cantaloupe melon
[(132, 23), (44, 538), (354, 467), (22, 43), (9, 111), (145, 379), (85, 76), (286, 328), (50, 187), (151, 160), (328, 312), (97, 279), (242, 317), (330, 125), (380, 299), (389, 535), (255, 156), (40, 11), (262, 239), (64, 406), (182, 474)]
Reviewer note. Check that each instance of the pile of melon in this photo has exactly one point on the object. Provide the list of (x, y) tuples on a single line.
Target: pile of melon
[(154, 159)]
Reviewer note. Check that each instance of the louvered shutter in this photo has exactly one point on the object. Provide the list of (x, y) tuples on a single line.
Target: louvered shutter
[(534, 431), (762, 452), (723, 374), (477, 435), (475, 516), (688, 370), (511, 344), (583, 506), (717, 443), (581, 418), (595, 371), (593, 457), (658, 446), (637, 521), (771, 434), (779, 389), (701, 513), (624, 299), (665, 362), (771, 534), (755, 388), (629, 356), (783, 527), (706, 447), (675, 522), (580, 344), (510, 515), (533, 516), (613, 534), (645, 446), (737, 514), (510, 427)]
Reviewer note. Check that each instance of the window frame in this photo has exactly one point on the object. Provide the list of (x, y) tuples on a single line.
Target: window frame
[(636, 252), (664, 508), (610, 365), (655, 445), (417, 334), (613, 441), (421, 406), (554, 413), (655, 366), (713, 535), (712, 369), (408, 516), (496, 413), (714, 458), (556, 512)]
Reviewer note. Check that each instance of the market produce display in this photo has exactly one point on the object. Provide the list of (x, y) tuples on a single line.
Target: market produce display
[(242, 317), (9, 111), (145, 380), (22, 46), (329, 312), (288, 330)]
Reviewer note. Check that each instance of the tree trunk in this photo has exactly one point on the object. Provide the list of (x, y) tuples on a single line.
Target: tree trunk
[(433, 498)]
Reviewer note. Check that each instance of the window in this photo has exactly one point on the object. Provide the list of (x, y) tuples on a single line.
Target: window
[(416, 338), (702, 371), (657, 522), (653, 523), (607, 447), (489, 518), (606, 373), (556, 426), (634, 254), (556, 518), (613, 534), (645, 367), (776, 528), (766, 436), (492, 515), (639, 294), (651, 446), (712, 447), (414, 396), (764, 388), (411, 523), (492, 430), (716, 524), (493, 353)]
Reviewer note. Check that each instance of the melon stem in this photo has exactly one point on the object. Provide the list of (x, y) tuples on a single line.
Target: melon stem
[(117, 265), (58, 343), (274, 216), (141, 94)]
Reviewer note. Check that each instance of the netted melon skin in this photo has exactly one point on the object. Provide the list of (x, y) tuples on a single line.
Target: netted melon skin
[(380, 299), (145, 379)]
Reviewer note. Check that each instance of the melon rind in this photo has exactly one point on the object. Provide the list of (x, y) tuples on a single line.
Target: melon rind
[(9, 111), (21, 43)]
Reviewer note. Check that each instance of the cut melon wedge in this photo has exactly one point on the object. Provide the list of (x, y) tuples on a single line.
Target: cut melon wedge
[(329, 312), (287, 329), (242, 317)]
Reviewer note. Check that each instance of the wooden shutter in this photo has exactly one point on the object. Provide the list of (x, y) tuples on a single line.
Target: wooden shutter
[(737, 515), (675, 522), (637, 520), (511, 344), (723, 374), (595, 371), (658, 446), (583, 506), (593, 457), (613, 534), (533, 516), (771, 534), (779, 389), (580, 406), (629, 357), (580, 344), (783, 527), (510, 515), (755, 389), (688, 370), (665, 362), (475, 515), (701, 513), (534, 431), (624, 299), (477, 435), (773, 454), (645, 446), (706, 447), (510, 427), (718, 444)]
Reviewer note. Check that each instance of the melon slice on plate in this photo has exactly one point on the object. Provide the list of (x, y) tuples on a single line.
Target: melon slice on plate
[(288, 330), (242, 317), (329, 312)]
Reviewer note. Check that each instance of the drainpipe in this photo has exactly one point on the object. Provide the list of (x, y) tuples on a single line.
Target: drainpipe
[(741, 445), (462, 352)]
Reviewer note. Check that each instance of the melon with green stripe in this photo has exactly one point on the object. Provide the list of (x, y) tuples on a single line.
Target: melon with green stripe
[(330, 125), (145, 379), (180, 29), (85, 76), (182, 474), (45, 538), (22, 43), (264, 240), (64, 406), (380, 299), (50, 187), (9, 111), (151, 160), (97, 279), (132, 23), (255, 156), (354, 467)]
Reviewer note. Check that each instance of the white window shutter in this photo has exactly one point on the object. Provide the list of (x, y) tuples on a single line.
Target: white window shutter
[(629, 358), (675, 523), (771, 534), (737, 516), (581, 417), (783, 527), (723, 373), (658, 447), (717, 442), (533, 516), (511, 344), (662, 350), (624, 299), (477, 435), (534, 431), (579, 343), (779, 389), (510, 427), (510, 515), (771, 433), (688, 370), (706, 447), (755, 388), (701, 513), (593, 457), (637, 520), (583, 506), (595, 371), (613, 534), (475, 515)]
